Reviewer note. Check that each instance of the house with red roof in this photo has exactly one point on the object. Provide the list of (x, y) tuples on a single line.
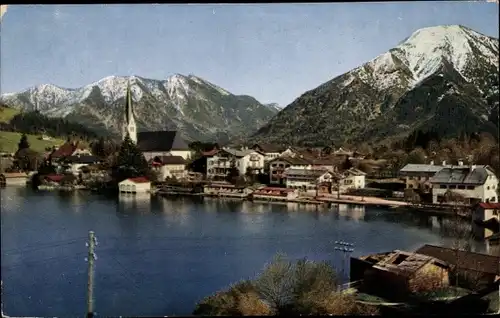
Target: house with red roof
[(135, 185), (69, 148)]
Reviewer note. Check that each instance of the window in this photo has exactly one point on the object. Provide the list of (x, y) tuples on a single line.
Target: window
[(273, 165), (488, 187), (453, 186), (462, 187), (442, 186), (410, 186), (493, 199), (470, 187)]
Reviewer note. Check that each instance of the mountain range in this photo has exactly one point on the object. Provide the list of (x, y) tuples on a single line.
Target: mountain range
[(197, 108), (441, 79)]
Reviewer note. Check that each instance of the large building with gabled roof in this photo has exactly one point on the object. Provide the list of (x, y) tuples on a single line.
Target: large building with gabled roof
[(152, 143)]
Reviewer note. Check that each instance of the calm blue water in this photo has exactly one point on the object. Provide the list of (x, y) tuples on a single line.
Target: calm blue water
[(161, 256)]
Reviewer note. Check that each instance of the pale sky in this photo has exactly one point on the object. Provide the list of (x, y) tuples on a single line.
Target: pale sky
[(273, 52)]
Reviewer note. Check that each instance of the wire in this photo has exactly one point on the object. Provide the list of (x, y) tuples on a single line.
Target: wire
[(42, 246), (9, 267)]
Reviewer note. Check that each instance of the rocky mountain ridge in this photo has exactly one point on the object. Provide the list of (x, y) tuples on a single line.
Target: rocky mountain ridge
[(199, 109), (442, 79)]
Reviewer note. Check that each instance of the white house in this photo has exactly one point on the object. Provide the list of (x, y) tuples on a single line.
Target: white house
[(353, 179), (170, 166), (306, 179), (220, 164), (135, 185), (475, 183)]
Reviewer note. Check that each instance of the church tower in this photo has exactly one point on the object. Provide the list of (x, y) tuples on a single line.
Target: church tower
[(128, 118)]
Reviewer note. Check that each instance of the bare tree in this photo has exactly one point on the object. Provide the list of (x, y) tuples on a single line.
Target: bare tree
[(411, 196), (284, 284), (460, 231)]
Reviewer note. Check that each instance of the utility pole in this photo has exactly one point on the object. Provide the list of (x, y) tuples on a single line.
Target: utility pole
[(90, 283), (346, 249), (1, 298)]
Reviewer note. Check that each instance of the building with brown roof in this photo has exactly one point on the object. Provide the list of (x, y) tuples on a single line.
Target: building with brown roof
[(277, 167), (270, 151), (399, 273), (307, 179), (474, 270), (169, 167), (69, 148)]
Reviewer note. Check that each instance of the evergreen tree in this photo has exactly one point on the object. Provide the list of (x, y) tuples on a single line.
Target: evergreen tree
[(130, 162), (234, 173), (99, 148), (23, 143)]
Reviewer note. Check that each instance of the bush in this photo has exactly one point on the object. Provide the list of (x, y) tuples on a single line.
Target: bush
[(285, 288)]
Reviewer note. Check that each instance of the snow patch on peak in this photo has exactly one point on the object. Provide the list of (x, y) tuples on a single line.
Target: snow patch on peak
[(177, 86), (425, 49), (204, 82)]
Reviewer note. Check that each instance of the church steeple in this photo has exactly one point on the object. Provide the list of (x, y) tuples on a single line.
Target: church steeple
[(129, 120)]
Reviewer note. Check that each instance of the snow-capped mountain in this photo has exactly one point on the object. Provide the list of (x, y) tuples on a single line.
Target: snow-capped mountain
[(443, 79), (196, 107)]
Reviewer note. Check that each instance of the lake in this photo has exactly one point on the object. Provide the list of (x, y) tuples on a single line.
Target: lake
[(160, 256)]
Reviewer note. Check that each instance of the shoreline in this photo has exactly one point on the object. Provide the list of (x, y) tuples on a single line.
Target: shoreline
[(324, 199)]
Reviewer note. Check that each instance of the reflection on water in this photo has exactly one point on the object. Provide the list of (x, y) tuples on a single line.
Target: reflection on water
[(159, 255), (351, 212)]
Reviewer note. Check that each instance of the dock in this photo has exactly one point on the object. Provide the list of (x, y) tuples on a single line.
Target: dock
[(364, 201)]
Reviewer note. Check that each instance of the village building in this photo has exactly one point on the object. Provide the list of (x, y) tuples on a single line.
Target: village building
[(272, 152), (162, 143), (68, 149), (352, 179), (398, 273), (129, 126), (274, 194), (13, 178), (493, 244), (220, 164), (277, 168), (475, 270), (200, 164), (307, 179), (169, 167), (485, 213), (418, 176), (226, 189), (152, 143), (138, 185), (76, 162), (475, 183), (53, 178)]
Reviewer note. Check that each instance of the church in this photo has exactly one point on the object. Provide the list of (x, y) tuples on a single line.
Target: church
[(152, 143)]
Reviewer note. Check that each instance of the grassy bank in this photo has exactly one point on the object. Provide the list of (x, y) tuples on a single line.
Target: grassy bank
[(9, 141)]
